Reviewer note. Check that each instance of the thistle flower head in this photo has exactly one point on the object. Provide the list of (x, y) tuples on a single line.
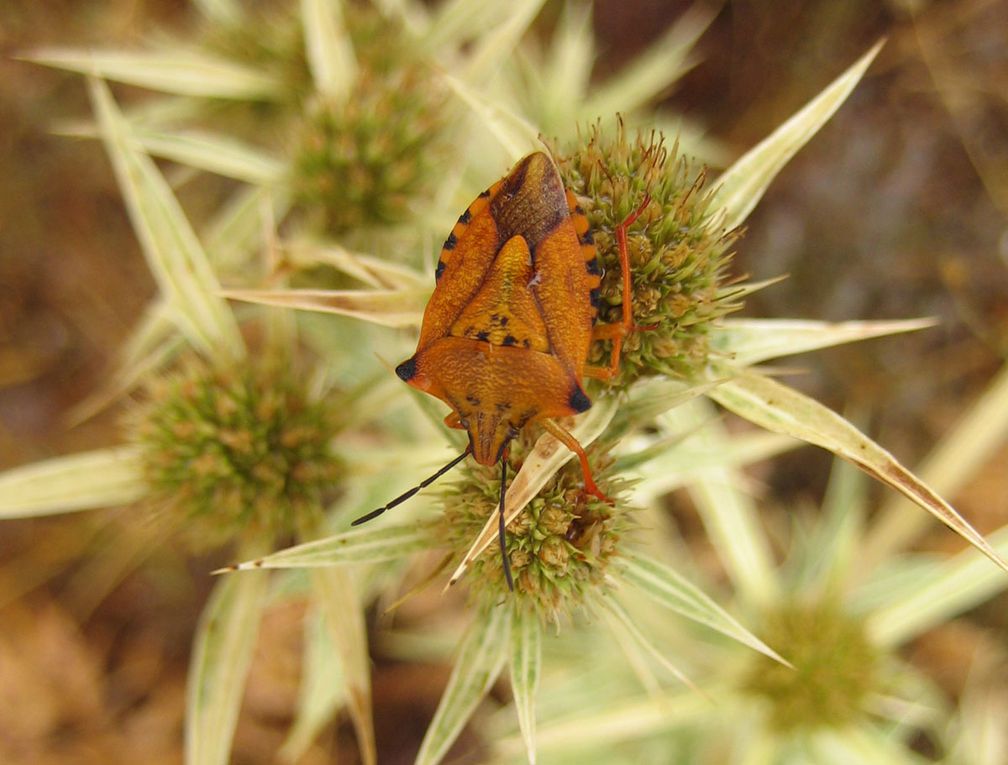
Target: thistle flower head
[(678, 250), (234, 452), (357, 159), (560, 546), (835, 668), (361, 162)]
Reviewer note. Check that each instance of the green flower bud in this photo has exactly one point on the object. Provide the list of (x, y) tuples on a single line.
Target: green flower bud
[(238, 452), (835, 668), (678, 250), (560, 546)]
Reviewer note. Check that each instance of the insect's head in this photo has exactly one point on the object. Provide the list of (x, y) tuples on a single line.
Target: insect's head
[(489, 434), (494, 393), (484, 404)]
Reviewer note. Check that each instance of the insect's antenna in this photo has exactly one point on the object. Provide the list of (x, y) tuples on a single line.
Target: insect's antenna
[(407, 494), (500, 527)]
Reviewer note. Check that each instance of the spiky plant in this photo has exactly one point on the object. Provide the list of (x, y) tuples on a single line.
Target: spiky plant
[(230, 447), (576, 559), (704, 355), (842, 609)]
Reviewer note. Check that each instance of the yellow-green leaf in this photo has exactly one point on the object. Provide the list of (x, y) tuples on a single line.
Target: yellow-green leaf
[(526, 666), (322, 688), (942, 590), (776, 407), (665, 586), (480, 659), (174, 254), (334, 591), (218, 154), (222, 653), (100, 478), (498, 42), (729, 513), (388, 308), (330, 51), (750, 341), (742, 185), (652, 72), (186, 73), (513, 132), (364, 545), (624, 625), (959, 454)]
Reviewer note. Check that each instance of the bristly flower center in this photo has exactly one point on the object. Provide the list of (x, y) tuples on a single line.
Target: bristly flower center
[(235, 452), (559, 547), (834, 668), (678, 249)]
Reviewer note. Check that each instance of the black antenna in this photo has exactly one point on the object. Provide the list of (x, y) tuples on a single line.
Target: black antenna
[(500, 527), (406, 495)]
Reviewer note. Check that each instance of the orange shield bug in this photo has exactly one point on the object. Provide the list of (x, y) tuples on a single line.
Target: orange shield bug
[(506, 334)]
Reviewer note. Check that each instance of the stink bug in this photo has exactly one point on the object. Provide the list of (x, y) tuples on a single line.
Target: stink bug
[(506, 334)]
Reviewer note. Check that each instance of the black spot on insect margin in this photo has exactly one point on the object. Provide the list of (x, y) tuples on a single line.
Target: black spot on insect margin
[(450, 242), (593, 267), (407, 370), (483, 335), (465, 217), (595, 297), (587, 237), (578, 401), (439, 270), (485, 193), (510, 340)]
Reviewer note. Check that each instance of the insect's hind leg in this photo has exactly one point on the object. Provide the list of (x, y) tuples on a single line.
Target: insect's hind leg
[(567, 439), (616, 332)]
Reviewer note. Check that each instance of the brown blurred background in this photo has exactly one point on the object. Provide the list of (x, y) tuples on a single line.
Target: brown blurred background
[(898, 208)]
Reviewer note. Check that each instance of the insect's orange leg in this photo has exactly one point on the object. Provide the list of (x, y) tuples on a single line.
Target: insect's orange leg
[(452, 421), (564, 437), (616, 332)]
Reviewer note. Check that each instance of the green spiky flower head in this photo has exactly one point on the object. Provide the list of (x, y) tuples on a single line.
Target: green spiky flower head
[(559, 547), (363, 161), (678, 251), (235, 453), (835, 668), (358, 157)]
